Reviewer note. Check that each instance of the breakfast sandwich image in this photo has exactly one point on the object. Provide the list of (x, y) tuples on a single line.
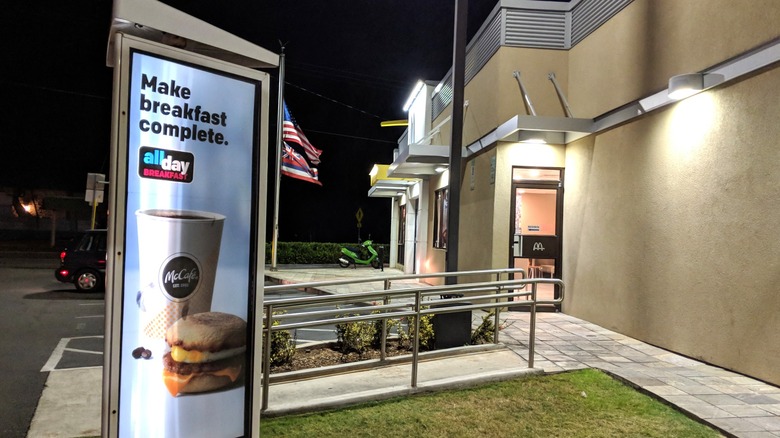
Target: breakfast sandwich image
[(207, 353)]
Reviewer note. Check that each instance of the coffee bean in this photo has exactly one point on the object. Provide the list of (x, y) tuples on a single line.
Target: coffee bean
[(146, 354), (138, 352)]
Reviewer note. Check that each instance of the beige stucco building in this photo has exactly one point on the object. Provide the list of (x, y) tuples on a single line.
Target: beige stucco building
[(660, 213)]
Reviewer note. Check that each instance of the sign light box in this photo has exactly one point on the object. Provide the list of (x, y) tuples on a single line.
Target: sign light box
[(187, 213)]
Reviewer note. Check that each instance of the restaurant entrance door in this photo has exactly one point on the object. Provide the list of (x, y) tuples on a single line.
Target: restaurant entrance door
[(537, 212)]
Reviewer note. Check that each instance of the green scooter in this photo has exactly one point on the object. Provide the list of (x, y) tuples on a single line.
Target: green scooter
[(352, 256)]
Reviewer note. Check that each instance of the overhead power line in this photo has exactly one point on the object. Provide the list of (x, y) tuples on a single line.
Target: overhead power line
[(55, 90), (384, 82), (351, 136), (334, 100)]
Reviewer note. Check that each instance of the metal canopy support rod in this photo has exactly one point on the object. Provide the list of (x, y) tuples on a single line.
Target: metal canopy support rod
[(529, 107), (561, 97)]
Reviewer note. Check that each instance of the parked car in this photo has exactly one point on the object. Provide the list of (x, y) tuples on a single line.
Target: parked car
[(83, 261)]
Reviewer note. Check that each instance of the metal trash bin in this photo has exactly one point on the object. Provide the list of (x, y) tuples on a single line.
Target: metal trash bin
[(452, 329)]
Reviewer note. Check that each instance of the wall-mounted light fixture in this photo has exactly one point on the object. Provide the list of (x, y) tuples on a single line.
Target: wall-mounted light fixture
[(417, 88), (534, 137), (685, 85), (682, 86)]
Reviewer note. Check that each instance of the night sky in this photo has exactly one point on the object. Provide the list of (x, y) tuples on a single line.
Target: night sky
[(350, 65)]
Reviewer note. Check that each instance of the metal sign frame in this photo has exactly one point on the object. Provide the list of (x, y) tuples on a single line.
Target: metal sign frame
[(121, 155)]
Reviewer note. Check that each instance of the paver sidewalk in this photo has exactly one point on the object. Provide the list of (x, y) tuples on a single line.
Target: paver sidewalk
[(731, 402)]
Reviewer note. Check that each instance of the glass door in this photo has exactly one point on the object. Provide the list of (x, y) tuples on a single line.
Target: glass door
[(537, 211)]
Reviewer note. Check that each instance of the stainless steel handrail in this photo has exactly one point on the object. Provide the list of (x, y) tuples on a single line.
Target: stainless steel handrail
[(494, 294), (390, 278)]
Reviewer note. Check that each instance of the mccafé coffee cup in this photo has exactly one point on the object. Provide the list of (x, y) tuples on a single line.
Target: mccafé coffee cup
[(178, 251)]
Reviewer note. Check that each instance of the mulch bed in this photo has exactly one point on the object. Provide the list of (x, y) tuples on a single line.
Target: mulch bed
[(326, 354)]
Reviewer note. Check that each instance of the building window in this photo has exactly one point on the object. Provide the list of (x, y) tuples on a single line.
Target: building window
[(440, 216), (402, 226)]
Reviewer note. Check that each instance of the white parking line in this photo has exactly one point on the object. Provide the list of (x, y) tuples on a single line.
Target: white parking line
[(59, 370), (62, 347), (77, 350)]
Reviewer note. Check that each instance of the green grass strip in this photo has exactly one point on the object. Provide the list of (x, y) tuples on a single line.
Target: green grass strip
[(585, 403)]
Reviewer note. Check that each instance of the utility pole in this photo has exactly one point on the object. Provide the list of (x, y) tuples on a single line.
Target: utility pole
[(456, 145)]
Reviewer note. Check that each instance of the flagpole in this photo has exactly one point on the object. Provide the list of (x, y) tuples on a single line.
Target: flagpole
[(279, 134)]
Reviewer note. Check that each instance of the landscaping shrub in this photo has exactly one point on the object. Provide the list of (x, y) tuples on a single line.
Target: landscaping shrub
[(355, 336), (426, 337), (311, 253), (358, 336), (282, 345), (376, 341), (483, 334)]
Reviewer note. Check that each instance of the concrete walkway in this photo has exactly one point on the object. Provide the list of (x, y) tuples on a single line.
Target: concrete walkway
[(734, 404), (338, 390)]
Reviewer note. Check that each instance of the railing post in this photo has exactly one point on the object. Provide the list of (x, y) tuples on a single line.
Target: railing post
[(496, 315), (267, 354), (383, 344), (383, 337), (532, 328), (416, 340), (498, 309)]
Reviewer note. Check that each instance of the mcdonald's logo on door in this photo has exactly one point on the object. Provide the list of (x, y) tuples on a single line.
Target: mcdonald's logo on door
[(539, 247)]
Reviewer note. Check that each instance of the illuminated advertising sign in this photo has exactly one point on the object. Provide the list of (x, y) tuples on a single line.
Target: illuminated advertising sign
[(189, 220)]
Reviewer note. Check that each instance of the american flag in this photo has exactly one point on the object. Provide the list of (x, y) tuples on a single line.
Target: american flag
[(295, 166), (293, 133)]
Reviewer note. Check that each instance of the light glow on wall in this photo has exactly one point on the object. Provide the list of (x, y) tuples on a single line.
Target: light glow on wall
[(530, 154), (416, 191), (691, 122), (444, 181)]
